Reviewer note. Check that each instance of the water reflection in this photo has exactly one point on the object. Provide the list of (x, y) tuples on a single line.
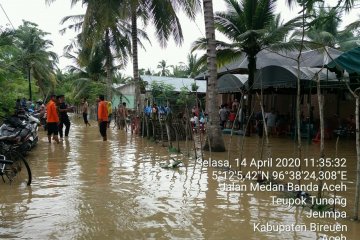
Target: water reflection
[(88, 189)]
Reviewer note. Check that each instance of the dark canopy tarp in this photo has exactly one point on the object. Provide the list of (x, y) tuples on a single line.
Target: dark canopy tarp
[(309, 58), (286, 77), (349, 61), (231, 83)]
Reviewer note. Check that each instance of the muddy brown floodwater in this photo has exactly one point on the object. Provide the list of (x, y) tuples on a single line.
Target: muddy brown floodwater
[(84, 188)]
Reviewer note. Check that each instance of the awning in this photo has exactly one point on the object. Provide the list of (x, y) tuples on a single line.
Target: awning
[(309, 58), (349, 61), (231, 83), (286, 77)]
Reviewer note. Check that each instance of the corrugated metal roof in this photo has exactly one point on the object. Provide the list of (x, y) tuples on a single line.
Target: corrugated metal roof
[(178, 83)]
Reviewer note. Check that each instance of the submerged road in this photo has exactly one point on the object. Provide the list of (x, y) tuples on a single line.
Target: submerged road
[(84, 188)]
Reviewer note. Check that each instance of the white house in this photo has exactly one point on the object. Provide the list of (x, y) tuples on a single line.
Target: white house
[(128, 90)]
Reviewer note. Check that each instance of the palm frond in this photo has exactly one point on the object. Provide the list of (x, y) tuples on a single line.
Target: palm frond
[(201, 44), (225, 56), (165, 21), (353, 26)]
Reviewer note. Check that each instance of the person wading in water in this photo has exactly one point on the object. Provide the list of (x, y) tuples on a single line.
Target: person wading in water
[(52, 119), (103, 116), (123, 114), (64, 118), (85, 110)]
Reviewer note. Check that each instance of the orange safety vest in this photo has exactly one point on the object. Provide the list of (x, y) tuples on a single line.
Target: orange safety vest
[(51, 111), (103, 112)]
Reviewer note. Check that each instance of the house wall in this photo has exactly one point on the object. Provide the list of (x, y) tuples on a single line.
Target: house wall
[(129, 99), (128, 96)]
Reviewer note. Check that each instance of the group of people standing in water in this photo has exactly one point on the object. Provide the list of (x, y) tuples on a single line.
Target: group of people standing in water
[(57, 117)]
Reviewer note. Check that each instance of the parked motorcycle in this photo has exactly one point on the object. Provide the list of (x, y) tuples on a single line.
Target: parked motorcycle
[(25, 129), (34, 123)]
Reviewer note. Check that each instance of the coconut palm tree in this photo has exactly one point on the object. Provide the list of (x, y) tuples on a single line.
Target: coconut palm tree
[(163, 15), (91, 79), (164, 68), (215, 142), (86, 72), (179, 70), (194, 65), (323, 29), (34, 57), (85, 65), (103, 28), (309, 4), (249, 24), (190, 69)]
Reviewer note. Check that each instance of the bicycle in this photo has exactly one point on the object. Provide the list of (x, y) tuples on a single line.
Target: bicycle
[(13, 170)]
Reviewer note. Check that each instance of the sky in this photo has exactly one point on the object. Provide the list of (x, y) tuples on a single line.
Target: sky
[(48, 18)]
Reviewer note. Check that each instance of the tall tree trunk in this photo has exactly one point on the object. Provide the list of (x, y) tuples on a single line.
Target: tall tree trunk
[(298, 112), (135, 56), (252, 69), (298, 92), (108, 66), (215, 140), (322, 126)]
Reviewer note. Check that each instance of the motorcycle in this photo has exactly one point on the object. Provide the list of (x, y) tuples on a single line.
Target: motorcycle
[(17, 132), (33, 123)]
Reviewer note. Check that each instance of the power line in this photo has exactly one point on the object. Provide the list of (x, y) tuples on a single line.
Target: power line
[(199, 29), (7, 16)]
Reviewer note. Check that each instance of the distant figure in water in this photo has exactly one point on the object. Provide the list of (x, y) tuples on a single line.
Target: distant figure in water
[(85, 111), (103, 116), (122, 115)]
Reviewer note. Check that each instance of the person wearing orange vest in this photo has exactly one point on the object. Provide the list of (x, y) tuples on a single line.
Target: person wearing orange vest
[(103, 116), (52, 119)]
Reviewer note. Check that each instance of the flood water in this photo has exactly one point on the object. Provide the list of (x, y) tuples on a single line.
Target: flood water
[(84, 188)]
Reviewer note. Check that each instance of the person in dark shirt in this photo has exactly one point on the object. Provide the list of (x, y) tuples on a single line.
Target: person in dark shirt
[(64, 118)]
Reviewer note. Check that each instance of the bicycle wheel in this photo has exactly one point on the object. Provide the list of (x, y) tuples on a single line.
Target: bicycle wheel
[(19, 172)]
